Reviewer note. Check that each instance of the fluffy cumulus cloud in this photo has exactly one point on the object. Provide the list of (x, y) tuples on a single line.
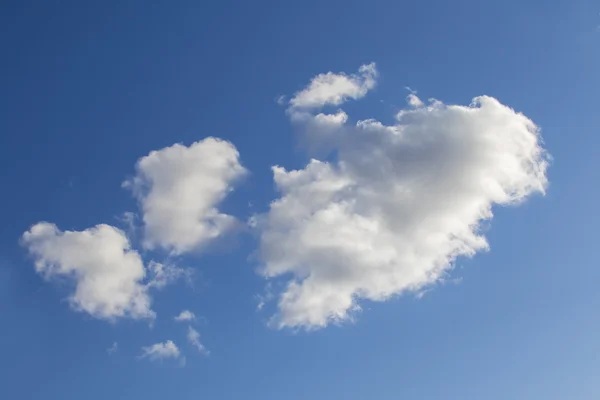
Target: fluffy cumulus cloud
[(179, 189), (397, 205), (161, 351), (332, 89), (320, 130), (108, 274), (185, 316), (414, 101)]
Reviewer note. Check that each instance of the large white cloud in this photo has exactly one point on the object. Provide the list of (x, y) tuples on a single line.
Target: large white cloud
[(396, 208), (179, 189), (108, 274)]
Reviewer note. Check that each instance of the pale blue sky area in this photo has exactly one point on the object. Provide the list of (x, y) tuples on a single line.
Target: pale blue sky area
[(88, 88)]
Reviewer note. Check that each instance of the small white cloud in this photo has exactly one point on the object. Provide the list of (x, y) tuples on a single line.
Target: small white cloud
[(165, 274), (194, 338), (412, 98), (414, 101), (265, 297), (179, 189), (113, 348), (335, 120), (160, 351), (107, 273), (129, 219), (322, 131), (334, 89), (184, 316), (281, 100)]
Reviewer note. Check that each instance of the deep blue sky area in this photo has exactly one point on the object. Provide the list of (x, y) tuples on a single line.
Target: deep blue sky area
[(87, 88)]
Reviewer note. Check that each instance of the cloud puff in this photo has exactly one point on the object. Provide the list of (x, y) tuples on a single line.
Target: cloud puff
[(161, 351), (179, 189), (113, 348), (194, 338), (108, 274), (396, 207), (165, 274), (334, 89), (184, 316), (321, 131), (414, 101)]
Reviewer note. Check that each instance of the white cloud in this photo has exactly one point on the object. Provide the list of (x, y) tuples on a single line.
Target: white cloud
[(113, 348), (334, 89), (396, 208), (281, 100), (185, 315), (179, 189), (161, 351), (334, 120), (129, 219), (263, 299), (321, 131), (414, 101), (107, 273), (194, 338), (165, 274)]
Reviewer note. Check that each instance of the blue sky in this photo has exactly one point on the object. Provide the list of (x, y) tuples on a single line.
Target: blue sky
[(89, 90)]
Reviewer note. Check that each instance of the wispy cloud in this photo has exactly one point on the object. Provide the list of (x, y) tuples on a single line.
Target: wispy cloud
[(194, 338), (161, 351), (113, 348), (108, 274), (166, 274)]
